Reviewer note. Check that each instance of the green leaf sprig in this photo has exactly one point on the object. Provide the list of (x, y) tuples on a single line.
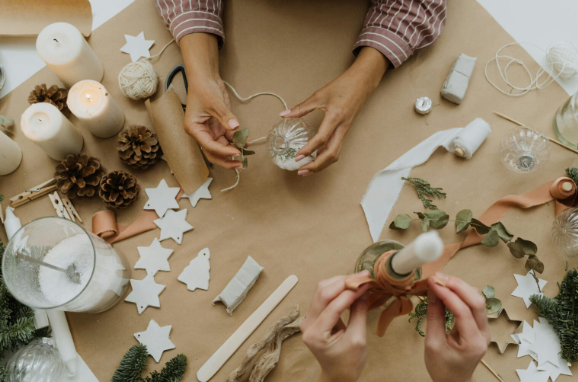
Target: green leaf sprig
[(420, 313), (493, 304), (437, 219), (423, 189), (240, 141)]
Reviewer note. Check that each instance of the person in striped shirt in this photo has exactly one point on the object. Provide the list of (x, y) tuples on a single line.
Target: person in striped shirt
[(392, 31)]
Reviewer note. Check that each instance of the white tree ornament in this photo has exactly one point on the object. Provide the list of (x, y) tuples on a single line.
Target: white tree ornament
[(196, 274)]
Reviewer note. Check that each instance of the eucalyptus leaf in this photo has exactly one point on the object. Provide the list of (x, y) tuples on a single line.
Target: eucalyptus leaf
[(438, 219), (420, 215), (489, 291), (425, 224), (248, 152), (463, 220), (401, 221), (240, 138), (516, 250), (528, 247), (533, 263), (503, 232), (480, 227), (493, 305), (491, 239), (245, 162)]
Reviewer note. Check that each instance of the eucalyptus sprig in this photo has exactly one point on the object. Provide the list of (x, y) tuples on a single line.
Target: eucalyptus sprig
[(423, 189), (493, 304), (437, 219), (420, 312), (240, 141)]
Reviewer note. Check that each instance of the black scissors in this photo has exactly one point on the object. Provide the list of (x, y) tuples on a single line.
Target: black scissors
[(180, 68)]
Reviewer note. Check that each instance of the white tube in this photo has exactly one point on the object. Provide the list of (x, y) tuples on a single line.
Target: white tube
[(426, 248), (63, 338)]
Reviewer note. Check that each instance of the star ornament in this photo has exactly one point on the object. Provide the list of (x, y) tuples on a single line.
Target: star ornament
[(200, 193), (527, 287), (137, 46), (156, 339), (174, 225), (162, 198), (532, 374), (546, 345), (514, 339), (154, 258), (145, 293)]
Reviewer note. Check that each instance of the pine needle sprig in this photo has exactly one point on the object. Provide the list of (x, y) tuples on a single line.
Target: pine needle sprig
[(172, 372), (132, 365), (423, 189)]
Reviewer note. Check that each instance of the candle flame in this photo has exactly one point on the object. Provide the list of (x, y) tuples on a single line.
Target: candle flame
[(88, 98)]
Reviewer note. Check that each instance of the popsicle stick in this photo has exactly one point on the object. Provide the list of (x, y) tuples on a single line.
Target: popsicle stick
[(218, 359), (521, 124)]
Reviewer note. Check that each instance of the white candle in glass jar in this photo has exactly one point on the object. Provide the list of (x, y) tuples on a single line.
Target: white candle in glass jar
[(95, 108), (10, 155), (426, 248), (45, 125), (65, 51)]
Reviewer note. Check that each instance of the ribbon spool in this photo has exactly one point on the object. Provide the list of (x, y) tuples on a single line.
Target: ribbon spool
[(469, 140)]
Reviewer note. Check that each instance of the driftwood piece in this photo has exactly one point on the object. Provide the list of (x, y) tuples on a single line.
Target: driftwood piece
[(272, 340)]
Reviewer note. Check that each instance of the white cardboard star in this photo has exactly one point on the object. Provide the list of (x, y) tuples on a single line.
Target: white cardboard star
[(162, 198), (532, 374), (137, 46), (525, 340), (556, 371), (174, 225), (145, 293), (200, 193), (196, 274), (156, 339), (154, 258), (546, 345), (527, 286)]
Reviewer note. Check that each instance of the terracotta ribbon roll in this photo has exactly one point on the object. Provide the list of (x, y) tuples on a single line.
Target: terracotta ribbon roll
[(104, 224), (562, 191)]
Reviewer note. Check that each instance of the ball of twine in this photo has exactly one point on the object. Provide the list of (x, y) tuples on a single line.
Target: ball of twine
[(138, 80), (564, 59)]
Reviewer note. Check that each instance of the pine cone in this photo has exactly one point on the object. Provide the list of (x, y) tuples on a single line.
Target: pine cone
[(78, 175), (53, 95), (139, 147), (118, 189)]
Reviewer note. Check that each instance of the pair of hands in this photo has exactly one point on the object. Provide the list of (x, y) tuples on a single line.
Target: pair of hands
[(210, 121), (449, 357)]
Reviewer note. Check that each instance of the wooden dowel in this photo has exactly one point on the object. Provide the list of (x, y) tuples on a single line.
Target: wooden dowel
[(521, 124), (492, 371)]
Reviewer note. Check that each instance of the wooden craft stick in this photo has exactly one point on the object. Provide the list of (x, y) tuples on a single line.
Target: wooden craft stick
[(70, 208), (492, 371), (59, 206), (521, 124), (218, 359), (33, 193)]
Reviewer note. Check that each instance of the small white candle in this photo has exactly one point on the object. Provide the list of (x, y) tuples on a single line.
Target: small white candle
[(426, 248), (45, 125), (65, 51), (63, 338), (95, 108), (10, 155), (11, 223)]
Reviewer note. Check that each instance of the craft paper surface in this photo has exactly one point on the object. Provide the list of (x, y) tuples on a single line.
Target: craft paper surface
[(312, 227), (182, 152), (29, 17)]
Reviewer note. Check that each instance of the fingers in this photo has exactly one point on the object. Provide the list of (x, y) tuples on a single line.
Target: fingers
[(328, 126), (358, 317), (209, 144), (471, 297), (332, 313), (302, 109), (326, 291), (224, 162), (435, 335), (465, 322), (328, 155), (222, 113)]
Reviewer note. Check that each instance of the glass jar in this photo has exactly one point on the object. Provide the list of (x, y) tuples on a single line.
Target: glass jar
[(284, 141), (104, 273), (39, 361), (565, 232), (523, 150), (566, 122), (367, 259)]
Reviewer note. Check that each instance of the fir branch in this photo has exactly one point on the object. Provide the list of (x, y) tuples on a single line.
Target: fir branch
[(562, 313), (572, 173), (172, 372), (423, 189), (132, 365), (420, 313)]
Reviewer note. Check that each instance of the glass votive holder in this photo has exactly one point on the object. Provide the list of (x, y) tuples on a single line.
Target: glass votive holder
[(523, 150), (103, 272), (286, 139), (566, 122)]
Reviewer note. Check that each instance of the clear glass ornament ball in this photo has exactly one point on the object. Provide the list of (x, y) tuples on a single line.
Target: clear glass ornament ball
[(565, 232), (284, 141), (523, 150), (39, 361)]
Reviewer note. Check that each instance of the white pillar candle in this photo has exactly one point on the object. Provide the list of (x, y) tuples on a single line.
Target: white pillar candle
[(10, 155), (11, 223), (65, 51), (426, 248), (45, 125), (63, 338), (95, 108)]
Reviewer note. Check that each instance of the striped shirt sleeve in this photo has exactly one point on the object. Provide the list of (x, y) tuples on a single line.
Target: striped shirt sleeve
[(192, 16), (397, 28)]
